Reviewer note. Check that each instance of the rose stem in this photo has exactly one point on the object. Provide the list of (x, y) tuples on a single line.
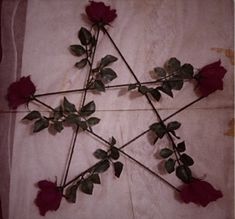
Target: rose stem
[(183, 108), (83, 102), (146, 96), (44, 104), (106, 87)]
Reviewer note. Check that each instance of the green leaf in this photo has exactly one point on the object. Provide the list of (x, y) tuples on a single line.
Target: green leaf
[(84, 36), (93, 121), (186, 71), (108, 59), (40, 125), (94, 178), (99, 85), (58, 112), (58, 126), (170, 165), (158, 129), (107, 75), (113, 141), (172, 65), (102, 166), (87, 186), (184, 173), (173, 133), (160, 72), (72, 119), (165, 152), (171, 126), (77, 50), (186, 160), (82, 125), (165, 88), (132, 86), (176, 83), (114, 153), (68, 107), (32, 115), (155, 94), (118, 167), (71, 193), (100, 154), (181, 147), (81, 64), (88, 109), (143, 90)]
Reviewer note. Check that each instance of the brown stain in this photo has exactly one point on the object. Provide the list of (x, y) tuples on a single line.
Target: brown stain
[(229, 53), (230, 131)]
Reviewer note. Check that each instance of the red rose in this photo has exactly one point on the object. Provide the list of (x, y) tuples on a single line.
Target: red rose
[(199, 192), (210, 78), (20, 92), (49, 198), (99, 13)]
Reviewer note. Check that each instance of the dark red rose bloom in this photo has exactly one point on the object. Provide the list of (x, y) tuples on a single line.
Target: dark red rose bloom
[(210, 78), (20, 91), (49, 197), (199, 192), (98, 12)]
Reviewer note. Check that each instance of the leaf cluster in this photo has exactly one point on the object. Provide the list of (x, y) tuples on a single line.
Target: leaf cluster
[(110, 156), (171, 76), (181, 164), (86, 182), (160, 129), (102, 74), (85, 48), (64, 114)]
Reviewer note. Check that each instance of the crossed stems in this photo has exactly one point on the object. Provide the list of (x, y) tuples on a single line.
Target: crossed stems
[(102, 139), (125, 145), (146, 96), (108, 86)]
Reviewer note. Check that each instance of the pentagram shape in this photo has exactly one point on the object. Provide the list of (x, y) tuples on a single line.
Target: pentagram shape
[(170, 77), (85, 141)]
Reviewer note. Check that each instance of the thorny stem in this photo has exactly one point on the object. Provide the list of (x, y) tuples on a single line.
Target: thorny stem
[(106, 87), (83, 102), (70, 156), (92, 61), (123, 58)]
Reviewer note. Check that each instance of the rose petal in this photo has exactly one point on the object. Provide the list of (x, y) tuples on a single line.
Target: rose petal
[(199, 192), (210, 78), (19, 92), (48, 198), (98, 12)]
